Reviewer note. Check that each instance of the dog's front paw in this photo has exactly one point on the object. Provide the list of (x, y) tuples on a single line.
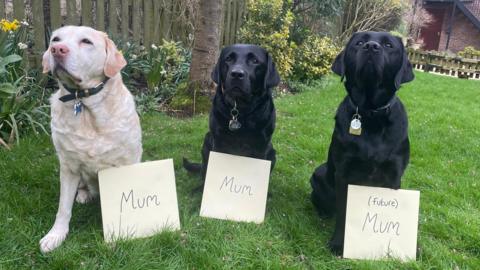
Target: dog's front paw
[(52, 240), (83, 196), (336, 247)]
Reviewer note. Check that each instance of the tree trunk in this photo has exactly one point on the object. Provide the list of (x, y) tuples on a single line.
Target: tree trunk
[(206, 46)]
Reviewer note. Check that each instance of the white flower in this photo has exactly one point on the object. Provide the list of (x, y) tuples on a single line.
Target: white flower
[(134, 56), (22, 46), (142, 48), (154, 47), (163, 72), (25, 23), (128, 44)]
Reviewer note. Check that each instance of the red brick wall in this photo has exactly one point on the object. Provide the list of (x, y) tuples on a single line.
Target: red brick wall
[(463, 34)]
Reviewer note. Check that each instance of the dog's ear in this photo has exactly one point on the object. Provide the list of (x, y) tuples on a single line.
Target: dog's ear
[(114, 61), (45, 61), (405, 73), (272, 78), (338, 66), (215, 75)]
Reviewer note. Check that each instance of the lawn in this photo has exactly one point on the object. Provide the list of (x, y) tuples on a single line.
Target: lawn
[(444, 125)]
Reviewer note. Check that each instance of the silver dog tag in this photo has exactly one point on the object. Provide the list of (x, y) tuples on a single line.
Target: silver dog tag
[(77, 107), (355, 127), (234, 125)]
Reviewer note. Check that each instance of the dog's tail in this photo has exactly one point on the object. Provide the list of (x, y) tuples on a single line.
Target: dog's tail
[(192, 167)]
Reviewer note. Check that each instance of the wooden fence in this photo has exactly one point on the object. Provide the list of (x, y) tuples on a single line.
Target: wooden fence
[(141, 21), (437, 62)]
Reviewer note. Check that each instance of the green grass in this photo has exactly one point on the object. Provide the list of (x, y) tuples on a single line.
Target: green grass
[(444, 115)]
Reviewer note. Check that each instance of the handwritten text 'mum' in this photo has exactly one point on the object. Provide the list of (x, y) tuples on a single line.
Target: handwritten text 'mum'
[(129, 201), (229, 184), (373, 224)]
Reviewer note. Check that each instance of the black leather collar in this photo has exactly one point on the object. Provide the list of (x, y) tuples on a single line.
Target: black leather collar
[(385, 109), (81, 93)]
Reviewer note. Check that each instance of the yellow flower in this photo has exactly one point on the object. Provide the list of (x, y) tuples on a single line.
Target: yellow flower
[(8, 26)]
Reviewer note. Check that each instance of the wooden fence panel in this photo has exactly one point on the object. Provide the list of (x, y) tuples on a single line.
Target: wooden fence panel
[(100, 15), (140, 21), (55, 14), (72, 15), (87, 16), (136, 22), (2, 9), (113, 11), (125, 18), (147, 22), (39, 30), (19, 10)]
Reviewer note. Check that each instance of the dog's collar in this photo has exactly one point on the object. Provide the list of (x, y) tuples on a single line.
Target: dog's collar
[(76, 94), (383, 109)]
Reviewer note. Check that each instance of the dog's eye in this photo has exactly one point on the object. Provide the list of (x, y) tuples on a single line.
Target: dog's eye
[(254, 60), (388, 45), (228, 58), (56, 39), (86, 41), (360, 43)]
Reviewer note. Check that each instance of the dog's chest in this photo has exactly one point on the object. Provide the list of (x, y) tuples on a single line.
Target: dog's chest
[(92, 144)]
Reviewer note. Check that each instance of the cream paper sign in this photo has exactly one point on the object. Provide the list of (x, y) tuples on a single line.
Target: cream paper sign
[(381, 223), (235, 188), (138, 200)]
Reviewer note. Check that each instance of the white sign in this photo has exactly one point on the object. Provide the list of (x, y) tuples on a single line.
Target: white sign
[(381, 223), (138, 200), (235, 188)]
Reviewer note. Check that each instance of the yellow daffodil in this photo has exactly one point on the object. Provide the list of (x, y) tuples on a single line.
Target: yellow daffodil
[(8, 26)]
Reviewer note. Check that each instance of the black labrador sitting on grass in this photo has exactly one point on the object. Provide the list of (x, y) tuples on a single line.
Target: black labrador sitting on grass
[(242, 118), (370, 141)]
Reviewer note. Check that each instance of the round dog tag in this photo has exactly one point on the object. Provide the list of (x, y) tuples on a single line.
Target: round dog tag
[(234, 125), (356, 124)]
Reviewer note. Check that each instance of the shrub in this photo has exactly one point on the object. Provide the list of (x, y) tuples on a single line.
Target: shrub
[(153, 74), (314, 58), (469, 51), (20, 106), (268, 25)]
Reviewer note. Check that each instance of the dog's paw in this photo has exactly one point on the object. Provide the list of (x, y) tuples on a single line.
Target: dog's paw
[(336, 247), (83, 196), (52, 240)]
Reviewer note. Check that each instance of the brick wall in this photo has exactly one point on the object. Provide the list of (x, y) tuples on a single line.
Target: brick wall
[(464, 33)]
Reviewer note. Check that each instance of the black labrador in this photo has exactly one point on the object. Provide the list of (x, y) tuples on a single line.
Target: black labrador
[(242, 118), (370, 143)]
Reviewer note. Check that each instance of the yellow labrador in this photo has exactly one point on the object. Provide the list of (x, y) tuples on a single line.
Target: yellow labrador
[(94, 122)]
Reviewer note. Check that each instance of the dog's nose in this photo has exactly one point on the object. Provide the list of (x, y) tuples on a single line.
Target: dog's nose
[(59, 50), (372, 46), (238, 73)]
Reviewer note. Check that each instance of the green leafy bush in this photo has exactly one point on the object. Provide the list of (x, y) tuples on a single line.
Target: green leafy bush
[(268, 25), (314, 57), (469, 51), (154, 74), (20, 106)]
